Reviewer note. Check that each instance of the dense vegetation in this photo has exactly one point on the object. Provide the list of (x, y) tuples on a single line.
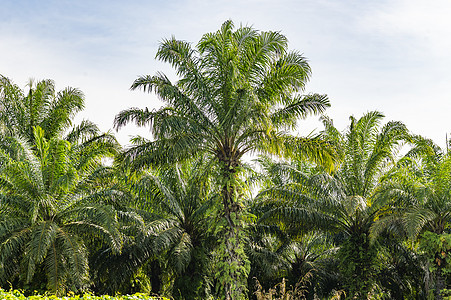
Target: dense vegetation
[(222, 200), (18, 295)]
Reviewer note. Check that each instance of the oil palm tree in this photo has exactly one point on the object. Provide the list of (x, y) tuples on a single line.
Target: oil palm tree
[(184, 200), (41, 105), (276, 256), (46, 216), (342, 202), (418, 194), (177, 204), (237, 93)]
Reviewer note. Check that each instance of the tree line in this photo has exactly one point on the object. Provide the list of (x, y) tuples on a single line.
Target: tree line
[(222, 200)]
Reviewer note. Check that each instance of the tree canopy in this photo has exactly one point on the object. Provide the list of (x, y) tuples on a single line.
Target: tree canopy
[(223, 199)]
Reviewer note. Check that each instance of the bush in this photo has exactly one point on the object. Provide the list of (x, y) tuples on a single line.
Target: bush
[(18, 295)]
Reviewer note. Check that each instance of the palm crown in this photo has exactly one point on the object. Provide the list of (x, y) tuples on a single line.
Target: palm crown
[(235, 93), (40, 106)]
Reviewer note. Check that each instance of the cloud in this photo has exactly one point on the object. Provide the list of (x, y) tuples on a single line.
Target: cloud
[(387, 55), (425, 22)]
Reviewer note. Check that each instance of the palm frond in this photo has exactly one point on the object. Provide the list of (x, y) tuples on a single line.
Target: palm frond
[(299, 108)]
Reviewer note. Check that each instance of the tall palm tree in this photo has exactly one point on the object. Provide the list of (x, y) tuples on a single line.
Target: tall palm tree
[(41, 105), (237, 93), (46, 214), (342, 202)]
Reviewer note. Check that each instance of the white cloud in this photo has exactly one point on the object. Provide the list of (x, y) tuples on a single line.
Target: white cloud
[(426, 22), (387, 55)]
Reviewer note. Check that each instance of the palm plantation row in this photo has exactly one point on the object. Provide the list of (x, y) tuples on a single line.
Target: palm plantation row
[(222, 201)]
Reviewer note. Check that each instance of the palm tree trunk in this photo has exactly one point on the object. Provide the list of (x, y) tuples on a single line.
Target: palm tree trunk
[(439, 283), (234, 274), (155, 277)]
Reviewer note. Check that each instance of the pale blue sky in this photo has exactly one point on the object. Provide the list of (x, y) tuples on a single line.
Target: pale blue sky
[(393, 56)]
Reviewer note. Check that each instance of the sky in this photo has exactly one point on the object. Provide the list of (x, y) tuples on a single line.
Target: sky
[(393, 56)]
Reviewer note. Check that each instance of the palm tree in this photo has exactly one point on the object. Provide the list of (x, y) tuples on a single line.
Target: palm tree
[(276, 255), (237, 92), (177, 204), (418, 193), (46, 213), (284, 241), (342, 202), (184, 202), (39, 106)]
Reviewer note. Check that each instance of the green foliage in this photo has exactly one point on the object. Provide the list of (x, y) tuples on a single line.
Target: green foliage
[(341, 217), (303, 199), (39, 106), (173, 243), (418, 193), (46, 216), (18, 295), (437, 247)]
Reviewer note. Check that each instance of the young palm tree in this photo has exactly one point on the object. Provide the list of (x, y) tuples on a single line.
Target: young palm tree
[(184, 202), (40, 106), (237, 93), (341, 202), (418, 192), (45, 214), (177, 204)]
